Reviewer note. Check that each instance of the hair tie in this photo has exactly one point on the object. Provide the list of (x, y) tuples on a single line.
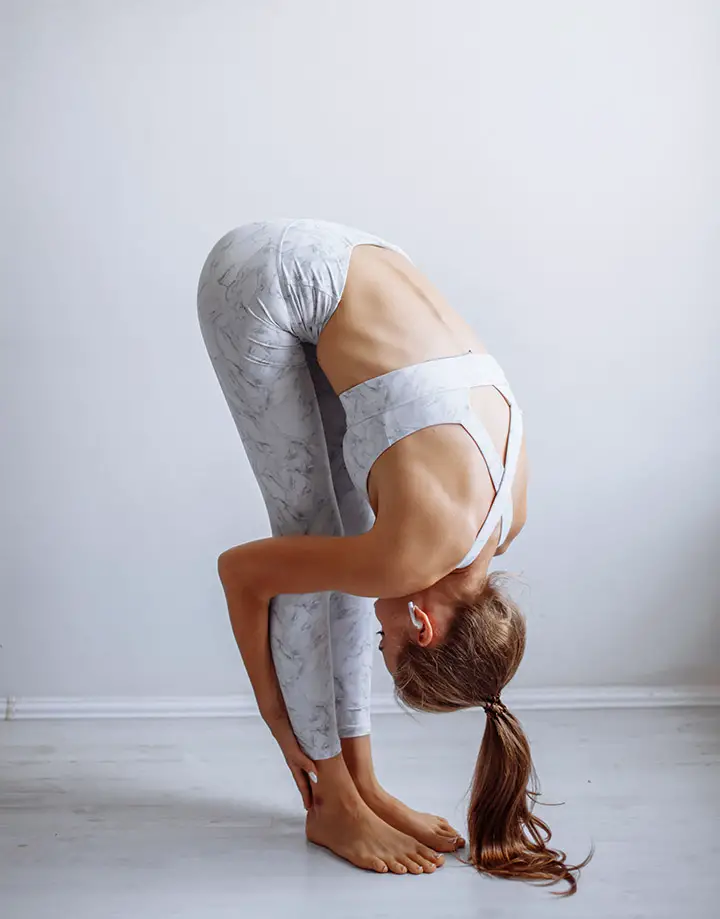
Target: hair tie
[(492, 703)]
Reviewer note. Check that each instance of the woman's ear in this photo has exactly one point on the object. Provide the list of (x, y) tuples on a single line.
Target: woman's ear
[(425, 632)]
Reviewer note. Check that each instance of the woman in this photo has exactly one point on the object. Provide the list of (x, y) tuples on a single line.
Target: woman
[(389, 451)]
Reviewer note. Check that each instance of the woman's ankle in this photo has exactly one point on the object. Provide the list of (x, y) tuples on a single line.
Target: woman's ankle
[(358, 759), (335, 786)]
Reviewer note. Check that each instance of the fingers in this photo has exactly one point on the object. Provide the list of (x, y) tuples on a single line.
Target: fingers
[(307, 765), (303, 784)]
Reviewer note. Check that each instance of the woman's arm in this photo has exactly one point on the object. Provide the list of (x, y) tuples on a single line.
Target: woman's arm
[(255, 572), (249, 620), (384, 562), (368, 565)]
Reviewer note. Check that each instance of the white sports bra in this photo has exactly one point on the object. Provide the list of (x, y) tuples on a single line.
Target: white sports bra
[(383, 410)]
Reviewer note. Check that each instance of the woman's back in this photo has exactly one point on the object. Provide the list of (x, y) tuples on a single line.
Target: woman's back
[(390, 317)]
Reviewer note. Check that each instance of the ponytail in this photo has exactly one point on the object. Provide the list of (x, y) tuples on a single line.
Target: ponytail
[(506, 839), (469, 668)]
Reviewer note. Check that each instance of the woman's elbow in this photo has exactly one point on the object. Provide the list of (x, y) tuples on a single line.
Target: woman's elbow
[(231, 568)]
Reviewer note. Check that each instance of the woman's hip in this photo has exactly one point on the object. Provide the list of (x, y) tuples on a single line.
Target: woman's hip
[(288, 273), (240, 283)]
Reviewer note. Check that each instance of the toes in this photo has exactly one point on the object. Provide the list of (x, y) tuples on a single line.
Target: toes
[(397, 867), (413, 866), (427, 866), (449, 840), (431, 856), (377, 864), (446, 843)]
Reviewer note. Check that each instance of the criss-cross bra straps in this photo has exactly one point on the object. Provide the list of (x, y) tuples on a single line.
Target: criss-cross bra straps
[(502, 476)]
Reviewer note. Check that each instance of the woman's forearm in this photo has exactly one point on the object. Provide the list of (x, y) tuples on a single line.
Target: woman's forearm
[(249, 616)]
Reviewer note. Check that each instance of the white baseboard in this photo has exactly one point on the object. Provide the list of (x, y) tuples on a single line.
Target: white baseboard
[(24, 709)]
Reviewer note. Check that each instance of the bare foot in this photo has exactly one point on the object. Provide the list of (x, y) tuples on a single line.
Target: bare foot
[(358, 835), (434, 831)]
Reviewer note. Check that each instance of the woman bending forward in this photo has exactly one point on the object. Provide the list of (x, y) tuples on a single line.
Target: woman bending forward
[(389, 450)]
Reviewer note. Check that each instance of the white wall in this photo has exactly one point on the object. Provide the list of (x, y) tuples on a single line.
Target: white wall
[(552, 166)]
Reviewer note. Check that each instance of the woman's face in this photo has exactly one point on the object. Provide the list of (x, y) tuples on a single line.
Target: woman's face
[(395, 629)]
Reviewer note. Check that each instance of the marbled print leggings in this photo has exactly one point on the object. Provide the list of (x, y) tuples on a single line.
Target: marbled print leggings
[(265, 293)]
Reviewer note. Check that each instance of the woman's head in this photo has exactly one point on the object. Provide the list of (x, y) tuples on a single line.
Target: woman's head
[(457, 647), (467, 643)]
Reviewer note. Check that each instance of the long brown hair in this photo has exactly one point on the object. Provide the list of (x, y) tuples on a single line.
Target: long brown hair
[(479, 656)]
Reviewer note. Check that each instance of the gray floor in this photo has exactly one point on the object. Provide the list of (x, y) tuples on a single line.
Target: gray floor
[(199, 819)]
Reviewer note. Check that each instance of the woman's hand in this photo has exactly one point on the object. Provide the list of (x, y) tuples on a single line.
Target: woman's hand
[(301, 766)]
